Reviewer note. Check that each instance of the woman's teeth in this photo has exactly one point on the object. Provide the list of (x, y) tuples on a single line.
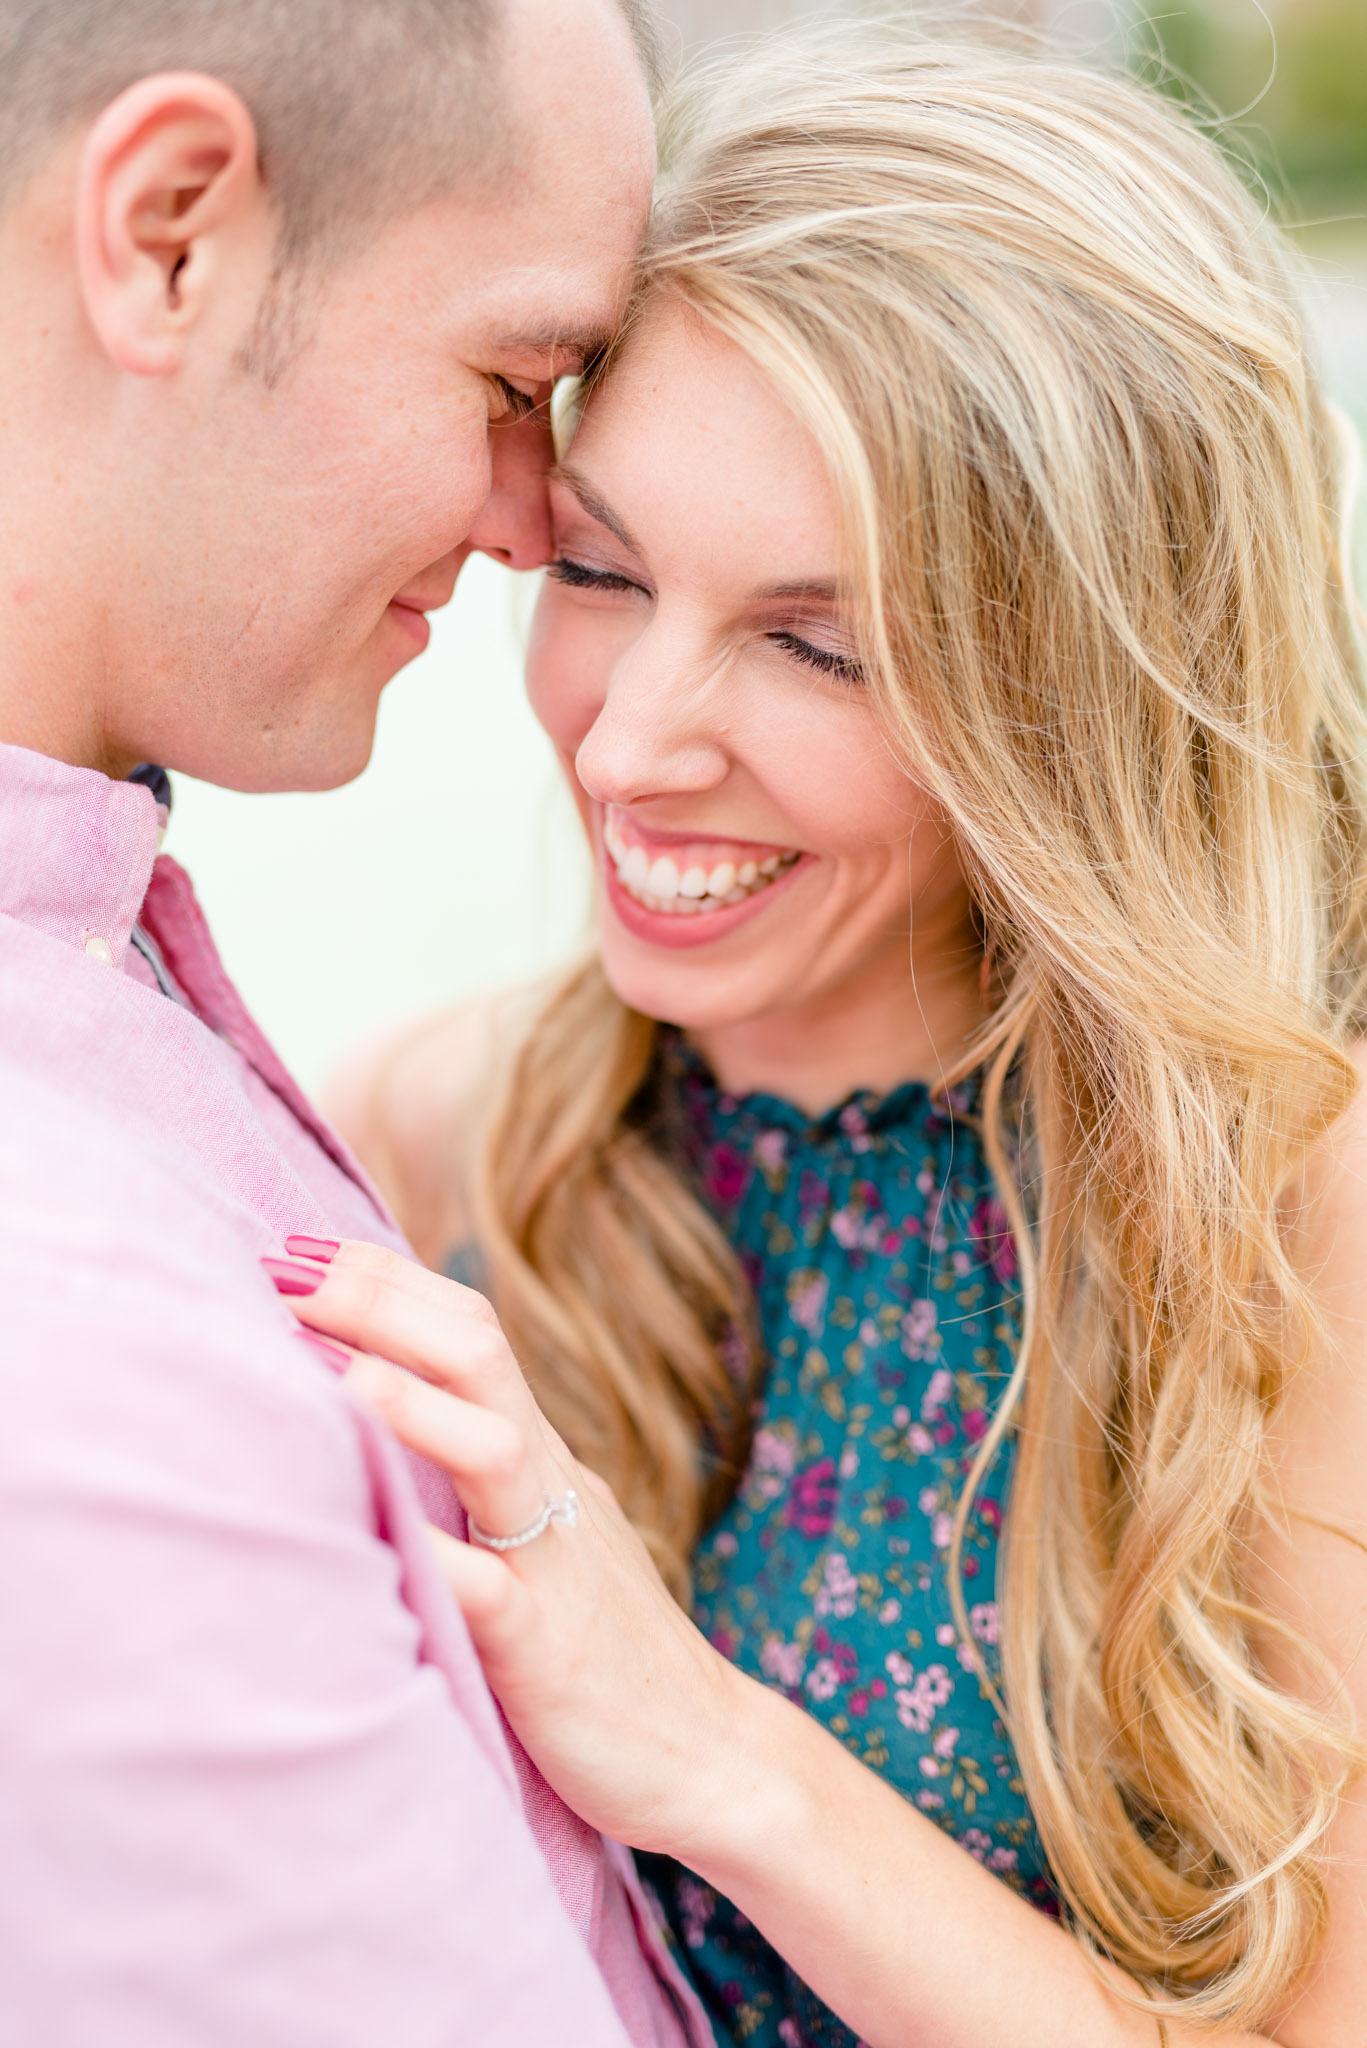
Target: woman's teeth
[(661, 885)]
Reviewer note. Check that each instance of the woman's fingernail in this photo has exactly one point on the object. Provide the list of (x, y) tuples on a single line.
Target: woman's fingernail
[(292, 1279), (324, 1248), (337, 1356)]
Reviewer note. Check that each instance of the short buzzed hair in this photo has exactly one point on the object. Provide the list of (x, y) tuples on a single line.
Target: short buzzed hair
[(362, 107)]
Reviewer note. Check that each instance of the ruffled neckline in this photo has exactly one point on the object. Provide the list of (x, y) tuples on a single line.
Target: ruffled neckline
[(856, 1115)]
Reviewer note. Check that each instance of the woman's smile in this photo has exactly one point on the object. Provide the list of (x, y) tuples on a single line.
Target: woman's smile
[(677, 889)]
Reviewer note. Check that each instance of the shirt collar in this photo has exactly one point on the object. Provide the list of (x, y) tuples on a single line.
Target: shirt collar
[(76, 851)]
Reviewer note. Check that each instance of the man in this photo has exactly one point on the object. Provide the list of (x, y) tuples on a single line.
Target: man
[(278, 275)]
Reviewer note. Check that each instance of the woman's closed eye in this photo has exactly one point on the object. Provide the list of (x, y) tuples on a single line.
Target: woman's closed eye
[(579, 576), (844, 667)]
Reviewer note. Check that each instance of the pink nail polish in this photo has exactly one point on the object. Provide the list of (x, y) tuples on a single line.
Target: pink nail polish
[(292, 1279), (322, 1248), (334, 1354)]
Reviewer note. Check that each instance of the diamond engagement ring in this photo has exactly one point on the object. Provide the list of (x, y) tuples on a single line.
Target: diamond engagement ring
[(564, 1509)]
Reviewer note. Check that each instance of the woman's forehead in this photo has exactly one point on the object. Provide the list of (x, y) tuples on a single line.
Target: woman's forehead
[(686, 426)]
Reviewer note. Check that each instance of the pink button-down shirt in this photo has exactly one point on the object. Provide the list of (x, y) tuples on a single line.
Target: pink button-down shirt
[(253, 1789)]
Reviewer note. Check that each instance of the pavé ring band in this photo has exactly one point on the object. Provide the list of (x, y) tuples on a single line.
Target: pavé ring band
[(564, 1509)]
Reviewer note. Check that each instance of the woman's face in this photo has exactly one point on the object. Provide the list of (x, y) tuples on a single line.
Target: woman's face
[(693, 660)]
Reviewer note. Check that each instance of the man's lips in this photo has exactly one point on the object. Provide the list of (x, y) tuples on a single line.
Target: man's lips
[(412, 620)]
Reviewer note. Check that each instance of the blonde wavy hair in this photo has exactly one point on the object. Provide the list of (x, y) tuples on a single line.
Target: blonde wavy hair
[(1053, 358)]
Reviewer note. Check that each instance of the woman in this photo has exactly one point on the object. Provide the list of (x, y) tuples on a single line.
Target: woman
[(950, 650)]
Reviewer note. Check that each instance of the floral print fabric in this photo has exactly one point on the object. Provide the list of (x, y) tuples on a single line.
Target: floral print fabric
[(885, 1278)]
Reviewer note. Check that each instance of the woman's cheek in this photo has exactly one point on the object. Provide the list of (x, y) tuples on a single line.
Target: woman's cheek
[(567, 665), (825, 759)]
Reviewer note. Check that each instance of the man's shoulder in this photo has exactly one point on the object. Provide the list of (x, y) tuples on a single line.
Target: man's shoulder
[(74, 1162), (135, 1306)]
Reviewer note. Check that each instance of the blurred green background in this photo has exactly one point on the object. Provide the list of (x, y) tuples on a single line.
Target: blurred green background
[(1299, 68), (1286, 84)]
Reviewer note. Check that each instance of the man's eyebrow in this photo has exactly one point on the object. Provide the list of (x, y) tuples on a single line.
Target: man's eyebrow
[(596, 507), (575, 346)]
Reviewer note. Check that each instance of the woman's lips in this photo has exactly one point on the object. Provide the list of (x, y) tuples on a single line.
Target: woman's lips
[(667, 928)]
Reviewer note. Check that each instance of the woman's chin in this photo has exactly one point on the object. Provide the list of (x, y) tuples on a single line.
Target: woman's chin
[(678, 988), (710, 970)]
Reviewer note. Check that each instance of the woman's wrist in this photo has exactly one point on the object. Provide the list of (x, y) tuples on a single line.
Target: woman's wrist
[(843, 1877), (751, 1790)]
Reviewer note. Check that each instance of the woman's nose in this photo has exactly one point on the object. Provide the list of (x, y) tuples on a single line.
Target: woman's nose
[(661, 729)]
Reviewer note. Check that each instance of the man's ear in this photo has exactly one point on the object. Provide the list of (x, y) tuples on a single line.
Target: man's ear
[(169, 201)]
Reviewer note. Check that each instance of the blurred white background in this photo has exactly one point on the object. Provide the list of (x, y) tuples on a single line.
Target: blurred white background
[(456, 863)]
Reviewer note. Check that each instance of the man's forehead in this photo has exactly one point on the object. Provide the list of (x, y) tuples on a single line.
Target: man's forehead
[(521, 283)]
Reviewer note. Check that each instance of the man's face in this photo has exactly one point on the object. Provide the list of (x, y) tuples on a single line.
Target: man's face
[(292, 532)]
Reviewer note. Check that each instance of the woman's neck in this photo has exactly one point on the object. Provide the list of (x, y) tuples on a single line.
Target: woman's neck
[(895, 1022)]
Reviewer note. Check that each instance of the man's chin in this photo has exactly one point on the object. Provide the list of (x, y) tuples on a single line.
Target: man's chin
[(328, 758), (305, 774), (314, 731)]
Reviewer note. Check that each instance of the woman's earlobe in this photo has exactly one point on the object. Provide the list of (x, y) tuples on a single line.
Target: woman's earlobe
[(168, 180)]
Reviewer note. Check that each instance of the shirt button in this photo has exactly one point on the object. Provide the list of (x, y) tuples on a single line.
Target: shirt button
[(98, 949)]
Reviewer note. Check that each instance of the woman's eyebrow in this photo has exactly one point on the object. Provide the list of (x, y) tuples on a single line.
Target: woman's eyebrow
[(815, 589), (596, 507)]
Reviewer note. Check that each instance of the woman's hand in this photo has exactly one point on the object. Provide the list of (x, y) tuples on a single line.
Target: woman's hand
[(627, 1710)]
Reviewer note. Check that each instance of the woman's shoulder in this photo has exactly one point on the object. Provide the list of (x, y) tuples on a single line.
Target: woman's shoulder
[(1309, 1552), (1327, 1212), (410, 1101), (1317, 1434)]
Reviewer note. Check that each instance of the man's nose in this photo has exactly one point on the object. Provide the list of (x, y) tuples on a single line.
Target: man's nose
[(515, 523)]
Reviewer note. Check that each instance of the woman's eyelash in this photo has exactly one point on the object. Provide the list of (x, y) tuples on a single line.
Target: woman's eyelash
[(580, 577), (519, 404), (842, 666)]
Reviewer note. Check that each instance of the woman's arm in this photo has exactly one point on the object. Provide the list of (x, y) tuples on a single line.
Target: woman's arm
[(648, 1732), (1312, 1559), (886, 1917)]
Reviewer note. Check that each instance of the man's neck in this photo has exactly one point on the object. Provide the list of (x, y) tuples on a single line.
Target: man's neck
[(53, 663), (43, 730), (54, 653)]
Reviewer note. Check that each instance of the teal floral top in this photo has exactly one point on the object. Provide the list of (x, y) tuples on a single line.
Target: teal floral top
[(885, 1278)]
